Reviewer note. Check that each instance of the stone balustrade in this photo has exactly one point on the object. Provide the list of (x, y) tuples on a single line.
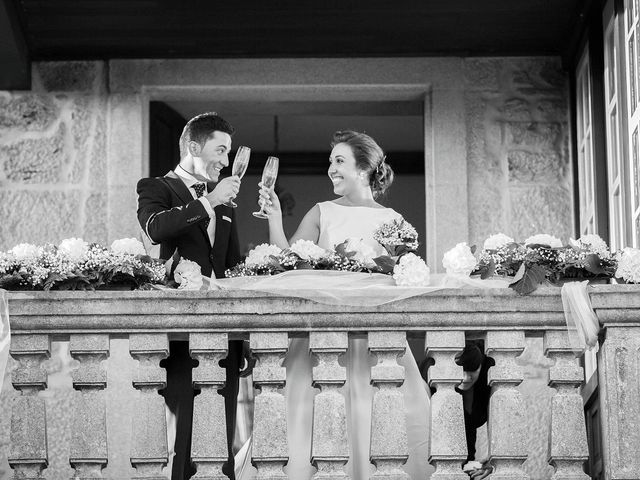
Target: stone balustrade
[(440, 322)]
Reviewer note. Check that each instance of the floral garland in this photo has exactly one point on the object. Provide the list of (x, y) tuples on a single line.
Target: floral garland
[(78, 265), (398, 237)]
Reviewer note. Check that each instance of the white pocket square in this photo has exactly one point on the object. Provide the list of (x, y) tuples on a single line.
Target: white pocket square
[(224, 217)]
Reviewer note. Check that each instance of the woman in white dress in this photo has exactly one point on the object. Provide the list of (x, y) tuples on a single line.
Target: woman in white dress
[(359, 173)]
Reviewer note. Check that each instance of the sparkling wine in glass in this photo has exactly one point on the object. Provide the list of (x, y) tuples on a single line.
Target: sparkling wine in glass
[(240, 164), (269, 175)]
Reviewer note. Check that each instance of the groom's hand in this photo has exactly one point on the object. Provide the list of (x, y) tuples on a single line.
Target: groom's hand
[(226, 189)]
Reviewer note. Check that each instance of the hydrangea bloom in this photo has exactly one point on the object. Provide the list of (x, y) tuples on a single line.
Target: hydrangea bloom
[(494, 242), (593, 244), (24, 251), (188, 274), (629, 265), (260, 254), (544, 239), (363, 252), (459, 260), (131, 246), (308, 250), (74, 248), (411, 271)]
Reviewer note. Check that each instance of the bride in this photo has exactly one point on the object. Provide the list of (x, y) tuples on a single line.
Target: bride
[(360, 174)]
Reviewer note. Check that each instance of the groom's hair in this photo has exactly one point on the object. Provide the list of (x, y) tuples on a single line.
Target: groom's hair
[(201, 127), (370, 159)]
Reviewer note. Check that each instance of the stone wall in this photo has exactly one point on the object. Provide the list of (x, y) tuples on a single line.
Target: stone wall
[(72, 149), (53, 164), (519, 167)]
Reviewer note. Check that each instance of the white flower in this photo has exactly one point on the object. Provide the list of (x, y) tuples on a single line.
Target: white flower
[(74, 248), (411, 271), (25, 251), (459, 260), (629, 265), (307, 250), (188, 275), (131, 246), (260, 254), (593, 244), (494, 242), (363, 253), (544, 239)]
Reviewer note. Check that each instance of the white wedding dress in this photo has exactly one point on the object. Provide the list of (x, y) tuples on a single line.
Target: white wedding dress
[(337, 223)]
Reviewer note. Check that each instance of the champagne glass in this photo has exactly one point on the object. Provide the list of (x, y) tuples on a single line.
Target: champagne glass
[(240, 164), (269, 175)]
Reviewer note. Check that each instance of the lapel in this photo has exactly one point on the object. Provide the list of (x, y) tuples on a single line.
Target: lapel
[(184, 194)]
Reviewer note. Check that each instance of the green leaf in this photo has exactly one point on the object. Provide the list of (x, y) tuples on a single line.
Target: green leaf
[(528, 278), (592, 264), (385, 263), (488, 270), (473, 249)]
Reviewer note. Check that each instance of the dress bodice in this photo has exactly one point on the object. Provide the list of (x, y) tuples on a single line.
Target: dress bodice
[(339, 222)]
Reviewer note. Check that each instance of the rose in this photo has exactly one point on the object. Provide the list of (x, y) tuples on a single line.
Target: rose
[(74, 248), (307, 250), (629, 265), (494, 242), (411, 271), (459, 260), (363, 253), (188, 274), (24, 251), (544, 239), (260, 255), (131, 246)]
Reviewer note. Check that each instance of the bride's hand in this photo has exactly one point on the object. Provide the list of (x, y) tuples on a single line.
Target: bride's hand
[(270, 200)]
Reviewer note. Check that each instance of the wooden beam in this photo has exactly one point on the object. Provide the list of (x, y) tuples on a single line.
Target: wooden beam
[(15, 64)]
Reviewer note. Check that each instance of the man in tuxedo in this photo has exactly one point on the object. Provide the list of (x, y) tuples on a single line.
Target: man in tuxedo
[(185, 213)]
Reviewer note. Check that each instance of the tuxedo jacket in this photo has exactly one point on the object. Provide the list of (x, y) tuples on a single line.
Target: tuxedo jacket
[(171, 217)]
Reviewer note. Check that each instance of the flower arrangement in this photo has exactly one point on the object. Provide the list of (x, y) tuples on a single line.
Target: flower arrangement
[(543, 258), (78, 265), (398, 237)]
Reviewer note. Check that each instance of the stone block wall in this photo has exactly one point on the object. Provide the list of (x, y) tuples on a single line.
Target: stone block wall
[(53, 163), (72, 149), (519, 167)]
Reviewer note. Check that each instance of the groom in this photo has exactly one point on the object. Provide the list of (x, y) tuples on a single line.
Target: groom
[(185, 213)]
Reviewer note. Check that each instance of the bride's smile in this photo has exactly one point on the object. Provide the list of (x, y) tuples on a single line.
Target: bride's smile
[(343, 172)]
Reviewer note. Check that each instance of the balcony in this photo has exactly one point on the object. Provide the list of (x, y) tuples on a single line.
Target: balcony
[(108, 421)]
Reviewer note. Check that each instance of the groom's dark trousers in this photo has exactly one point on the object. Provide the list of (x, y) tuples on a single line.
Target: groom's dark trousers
[(170, 216)]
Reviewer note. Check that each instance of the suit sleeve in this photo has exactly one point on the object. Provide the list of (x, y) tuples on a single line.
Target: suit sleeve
[(233, 251), (159, 220)]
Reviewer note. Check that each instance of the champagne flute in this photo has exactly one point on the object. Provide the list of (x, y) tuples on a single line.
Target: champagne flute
[(240, 164), (269, 175)]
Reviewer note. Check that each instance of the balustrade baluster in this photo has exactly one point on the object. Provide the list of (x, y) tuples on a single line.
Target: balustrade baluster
[(208, 439), (149, 427), (507, 413), (389, 446), (448, 441), (569, 449), (270, 448), (28, 453), (89, 430), (330, 446)]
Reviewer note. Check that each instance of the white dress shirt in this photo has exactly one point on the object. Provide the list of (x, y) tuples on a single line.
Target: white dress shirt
[(189, 180)]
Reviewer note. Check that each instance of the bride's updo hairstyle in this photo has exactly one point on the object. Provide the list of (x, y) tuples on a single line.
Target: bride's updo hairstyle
[(370, 159)]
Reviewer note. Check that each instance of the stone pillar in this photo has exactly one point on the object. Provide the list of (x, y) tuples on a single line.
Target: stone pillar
[(270, 447), (389, 446), (149, 427), (619, 385), (507, 409), (209, 436), (89, 431), (28, 453), (448, 441), (330, 447), (568, 449)]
